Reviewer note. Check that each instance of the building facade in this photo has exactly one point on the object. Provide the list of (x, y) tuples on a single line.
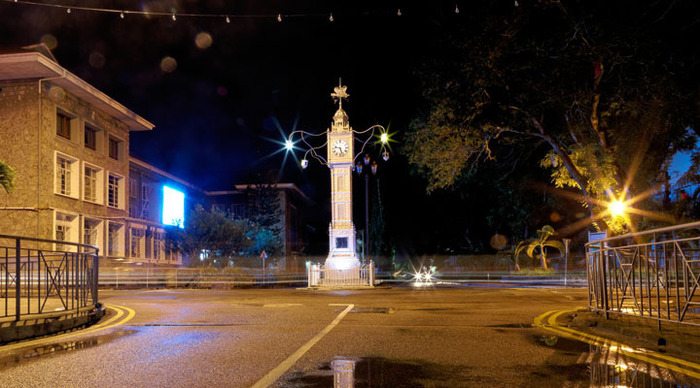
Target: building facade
[(69, 146), (76, 181)]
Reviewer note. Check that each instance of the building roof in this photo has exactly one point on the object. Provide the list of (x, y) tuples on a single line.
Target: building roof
[(163, 173), (33, 63)]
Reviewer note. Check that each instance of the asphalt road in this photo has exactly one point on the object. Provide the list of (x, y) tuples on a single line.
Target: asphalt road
[(396, 337)]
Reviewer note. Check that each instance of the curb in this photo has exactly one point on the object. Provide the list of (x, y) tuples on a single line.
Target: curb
[(548, 321), (12, 331)]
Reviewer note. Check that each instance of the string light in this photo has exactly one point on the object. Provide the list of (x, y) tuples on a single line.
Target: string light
[(174, 15)]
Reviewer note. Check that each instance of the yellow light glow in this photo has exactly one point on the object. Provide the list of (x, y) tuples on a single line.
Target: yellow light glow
[(617, 208), (384, 138)]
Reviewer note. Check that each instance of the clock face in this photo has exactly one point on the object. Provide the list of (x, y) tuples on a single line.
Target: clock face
[(340, 147)]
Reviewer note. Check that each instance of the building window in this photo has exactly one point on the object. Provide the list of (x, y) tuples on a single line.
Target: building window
[(92, 184), (115, 148), (67, 174), (90, 137), (115, 191), (91, 231), (66, 229), (341, 242), (63, 124), (136, 242), (115, 237), (146, 191), (157, 247)]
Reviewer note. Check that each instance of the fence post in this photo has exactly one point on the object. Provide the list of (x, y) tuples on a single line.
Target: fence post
[(18, 289), (95, 275)]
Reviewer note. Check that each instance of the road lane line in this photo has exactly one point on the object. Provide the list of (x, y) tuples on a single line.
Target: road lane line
[(675, 364), (283, 367), (111, 322)]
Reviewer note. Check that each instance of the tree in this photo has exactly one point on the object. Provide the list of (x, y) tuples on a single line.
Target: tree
[(7, 177), (606, 95), (212, 235), (265, 218), (541, 243)]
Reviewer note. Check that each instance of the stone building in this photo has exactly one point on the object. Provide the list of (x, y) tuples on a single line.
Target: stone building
[(69, 145), (76, 181)]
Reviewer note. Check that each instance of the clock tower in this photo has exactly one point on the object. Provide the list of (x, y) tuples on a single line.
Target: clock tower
[(342, 254)]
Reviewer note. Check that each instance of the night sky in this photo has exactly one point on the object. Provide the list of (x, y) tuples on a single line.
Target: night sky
[(249, 81), (233, 87)]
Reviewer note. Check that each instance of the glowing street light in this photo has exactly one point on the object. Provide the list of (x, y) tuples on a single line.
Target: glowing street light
[(384, 138), (617, 208), (288, 145)]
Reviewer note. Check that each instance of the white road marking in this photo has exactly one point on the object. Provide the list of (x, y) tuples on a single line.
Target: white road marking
[(284, 366)]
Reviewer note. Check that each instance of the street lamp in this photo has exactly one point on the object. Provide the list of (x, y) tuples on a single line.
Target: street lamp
[(365, 168)]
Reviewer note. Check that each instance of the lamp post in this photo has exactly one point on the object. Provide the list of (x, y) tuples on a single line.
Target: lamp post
[(364, 168)]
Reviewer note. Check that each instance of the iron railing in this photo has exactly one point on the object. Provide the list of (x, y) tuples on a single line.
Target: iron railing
[(653, 274), (40, 276), (318, 275)]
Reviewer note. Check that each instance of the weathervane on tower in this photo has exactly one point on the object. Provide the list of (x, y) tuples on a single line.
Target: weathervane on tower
[(342, 266)]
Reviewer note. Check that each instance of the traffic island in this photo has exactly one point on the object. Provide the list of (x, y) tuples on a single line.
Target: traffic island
[(38, 325)]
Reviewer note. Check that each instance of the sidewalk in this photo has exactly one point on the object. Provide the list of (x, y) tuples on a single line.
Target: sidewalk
[(682, 341)]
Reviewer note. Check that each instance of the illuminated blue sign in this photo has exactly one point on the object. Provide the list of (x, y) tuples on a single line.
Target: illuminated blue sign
[(173, 207)]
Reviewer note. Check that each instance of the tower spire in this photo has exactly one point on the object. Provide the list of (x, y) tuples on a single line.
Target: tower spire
[(340, 92)]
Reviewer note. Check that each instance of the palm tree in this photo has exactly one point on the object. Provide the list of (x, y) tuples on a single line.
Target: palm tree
[(7, 177), (540, 243)]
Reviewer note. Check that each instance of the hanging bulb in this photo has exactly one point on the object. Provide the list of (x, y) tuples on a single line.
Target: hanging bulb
[(456, 9), (68, 10), (385, 155), (174, 17), (516, 3), (228, 20), (279, 17), (330, 18), (398, 12), (121, 15), (304, 163)]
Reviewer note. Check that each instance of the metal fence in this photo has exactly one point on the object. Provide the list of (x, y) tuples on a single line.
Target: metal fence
[(45, 276), (328, 277), (653, 274), (158, 277)]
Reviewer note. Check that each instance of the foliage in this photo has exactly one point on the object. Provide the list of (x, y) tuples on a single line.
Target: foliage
[(7, 177), (210, 232), (264, 218), (602, 96), (539, 244)]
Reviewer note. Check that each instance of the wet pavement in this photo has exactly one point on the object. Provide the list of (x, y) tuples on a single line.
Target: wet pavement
[(459, 337)]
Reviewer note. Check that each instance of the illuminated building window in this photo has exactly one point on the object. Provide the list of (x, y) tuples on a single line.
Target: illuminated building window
[(66, 175)]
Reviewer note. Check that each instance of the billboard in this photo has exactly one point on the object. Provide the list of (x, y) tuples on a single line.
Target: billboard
[(173, 207)]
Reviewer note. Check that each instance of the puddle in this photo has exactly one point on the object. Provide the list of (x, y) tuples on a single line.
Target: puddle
[(32, 354), (605, 368), (378, 372)]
